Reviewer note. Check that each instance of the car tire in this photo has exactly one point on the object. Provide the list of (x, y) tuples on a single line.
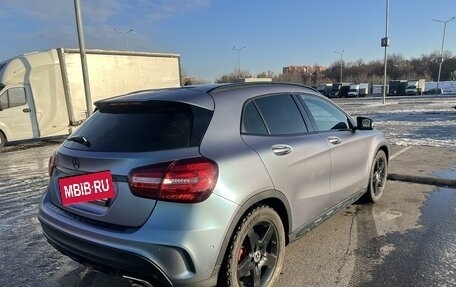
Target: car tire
[(256, 249), (377, 177), (2, 140)]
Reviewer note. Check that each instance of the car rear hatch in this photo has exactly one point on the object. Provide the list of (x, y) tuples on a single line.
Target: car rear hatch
[(123, 135)]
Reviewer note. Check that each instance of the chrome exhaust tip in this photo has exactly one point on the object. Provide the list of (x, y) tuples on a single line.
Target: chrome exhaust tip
[(137, 280)]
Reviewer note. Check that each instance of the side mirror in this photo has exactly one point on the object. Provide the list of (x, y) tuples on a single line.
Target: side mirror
[(364, 123)]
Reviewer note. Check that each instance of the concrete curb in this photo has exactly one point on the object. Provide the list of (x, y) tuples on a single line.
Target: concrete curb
[(430, 180)]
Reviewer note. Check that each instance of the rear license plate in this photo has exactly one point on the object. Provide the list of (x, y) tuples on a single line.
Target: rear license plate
[(87, 187)]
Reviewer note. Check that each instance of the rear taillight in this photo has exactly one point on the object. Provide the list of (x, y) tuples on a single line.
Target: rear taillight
[(189, 180), (51, 164)]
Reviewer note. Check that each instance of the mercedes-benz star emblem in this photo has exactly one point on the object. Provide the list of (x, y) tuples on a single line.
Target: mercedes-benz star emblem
[(76, 163)]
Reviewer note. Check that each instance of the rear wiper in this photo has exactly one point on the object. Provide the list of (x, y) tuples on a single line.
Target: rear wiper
[(81, 140)]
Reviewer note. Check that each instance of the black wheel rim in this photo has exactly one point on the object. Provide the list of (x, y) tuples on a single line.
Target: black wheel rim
[(378, 176), (257, 257)]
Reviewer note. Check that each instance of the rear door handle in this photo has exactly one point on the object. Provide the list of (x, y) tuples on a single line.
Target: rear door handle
[(27, 110), (334, 140), (281, 149)]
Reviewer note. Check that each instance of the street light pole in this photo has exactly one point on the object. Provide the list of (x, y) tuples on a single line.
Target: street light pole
[(238, 61), (341, 54), (85, 73), (385, 43), (441, 50), (124, 36)]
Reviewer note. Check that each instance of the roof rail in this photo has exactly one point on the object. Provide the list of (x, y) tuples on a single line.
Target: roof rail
[(229, 86)]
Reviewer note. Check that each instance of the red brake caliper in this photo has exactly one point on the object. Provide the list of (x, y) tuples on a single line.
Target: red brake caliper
[(242, 253)]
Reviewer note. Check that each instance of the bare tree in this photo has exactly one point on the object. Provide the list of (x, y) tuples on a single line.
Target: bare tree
[(232, 77)]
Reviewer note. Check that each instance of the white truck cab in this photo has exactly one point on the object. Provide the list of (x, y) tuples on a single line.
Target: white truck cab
[(15, 114), (354, 90)]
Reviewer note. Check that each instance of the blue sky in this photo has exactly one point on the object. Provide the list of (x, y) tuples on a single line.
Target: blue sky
[(204, 32)]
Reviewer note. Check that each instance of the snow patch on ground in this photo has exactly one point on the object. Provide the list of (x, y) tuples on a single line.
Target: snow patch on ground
[(429, 121), (447, 86)]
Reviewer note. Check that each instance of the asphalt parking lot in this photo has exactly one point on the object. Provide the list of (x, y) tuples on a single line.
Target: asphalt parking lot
[(391, 243)]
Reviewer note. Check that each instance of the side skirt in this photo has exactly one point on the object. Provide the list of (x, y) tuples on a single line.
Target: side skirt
[(300, 231)]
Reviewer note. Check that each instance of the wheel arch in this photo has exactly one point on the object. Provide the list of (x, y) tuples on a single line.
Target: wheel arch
[(272, 198), (3, 135), (380, 146), (371, 196), (385, 149)]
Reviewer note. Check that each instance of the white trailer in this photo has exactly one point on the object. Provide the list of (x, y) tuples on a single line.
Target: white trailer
[(363, 89), (378, 89), (42, 93)]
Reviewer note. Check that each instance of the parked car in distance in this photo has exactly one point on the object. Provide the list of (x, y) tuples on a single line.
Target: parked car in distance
[(205, 185), (434, 91)]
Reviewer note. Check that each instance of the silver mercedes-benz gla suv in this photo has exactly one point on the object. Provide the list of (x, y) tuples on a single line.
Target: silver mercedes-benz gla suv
[(205, 185)]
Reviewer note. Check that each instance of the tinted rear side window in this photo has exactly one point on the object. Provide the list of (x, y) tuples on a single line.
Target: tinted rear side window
[(281, 115), (252, 123), (143, 127)]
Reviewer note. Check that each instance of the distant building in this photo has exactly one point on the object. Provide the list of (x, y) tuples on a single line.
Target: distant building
[(303, 69), (307, 75), (250, 80)]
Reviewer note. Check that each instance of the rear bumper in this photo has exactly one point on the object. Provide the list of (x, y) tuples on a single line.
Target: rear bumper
[(104, 258), (162, 251)]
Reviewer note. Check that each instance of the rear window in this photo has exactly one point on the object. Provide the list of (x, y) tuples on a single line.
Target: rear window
[(142, 127)]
